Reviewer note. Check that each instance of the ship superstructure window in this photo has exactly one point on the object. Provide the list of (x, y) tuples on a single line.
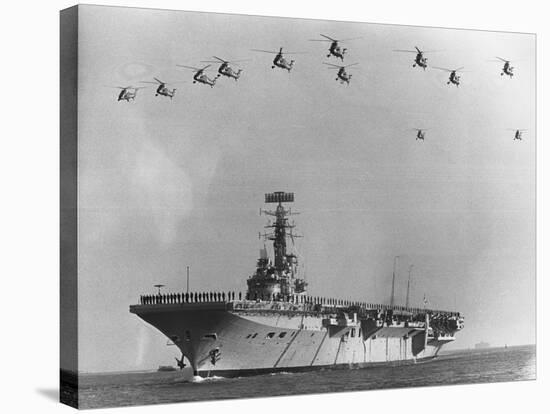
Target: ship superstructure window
[(211, 336), (248, 336), (254, 336), (270, 335), (353, 332), (187, 335), (282, 334)]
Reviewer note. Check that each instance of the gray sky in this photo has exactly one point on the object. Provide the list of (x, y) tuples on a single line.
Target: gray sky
[(166, 184)]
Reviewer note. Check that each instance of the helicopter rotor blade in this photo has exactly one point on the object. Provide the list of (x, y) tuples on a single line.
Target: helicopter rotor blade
[(293, 53), (333, 66), (329, 38), (189, 67), (350, 38), (159, 81), (281, 52), (117, 87), (220, 60), (444, 69), (351, 64), (403, 50), (264, 51), (504, 60), (237, 61)]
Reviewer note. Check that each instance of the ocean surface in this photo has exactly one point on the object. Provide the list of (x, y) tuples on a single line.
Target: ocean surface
[(461, 367)]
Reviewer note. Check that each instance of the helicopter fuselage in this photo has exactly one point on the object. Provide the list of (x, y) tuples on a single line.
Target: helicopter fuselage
[(507, 69), (420, 135), (420, 61), (343, 76), (336, 51), (201, 77), (282, 63), (164, 91), (127, 95), (228, 71), (517, 135), (454, 79)]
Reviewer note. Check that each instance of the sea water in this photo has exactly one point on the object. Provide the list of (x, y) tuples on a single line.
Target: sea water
[(461, 367)]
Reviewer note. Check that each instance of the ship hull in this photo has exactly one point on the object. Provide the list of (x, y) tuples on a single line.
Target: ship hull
[(220, 340)]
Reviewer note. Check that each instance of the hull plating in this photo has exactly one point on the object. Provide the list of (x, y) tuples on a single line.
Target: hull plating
[(228, 342)]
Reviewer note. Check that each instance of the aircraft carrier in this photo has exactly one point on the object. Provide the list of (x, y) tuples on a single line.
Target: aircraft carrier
[(276, 326)]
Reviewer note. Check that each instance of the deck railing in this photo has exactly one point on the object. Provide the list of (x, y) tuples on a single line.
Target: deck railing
[(287, 302)]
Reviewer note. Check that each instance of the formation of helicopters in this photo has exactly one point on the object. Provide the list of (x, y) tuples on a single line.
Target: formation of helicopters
[(226, 69), (421, 61)]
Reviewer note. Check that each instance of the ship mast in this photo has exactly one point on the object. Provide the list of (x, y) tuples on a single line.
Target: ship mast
[(392, 299), (408, 287), (280, 226), (279, 278)]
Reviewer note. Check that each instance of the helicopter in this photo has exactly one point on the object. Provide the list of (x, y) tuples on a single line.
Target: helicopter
[(342, 75), (200, 76), (507, 69), (420, 133), (518, 134), (127, 93), (279, 60), (419, 60), (225, 69), (453, 77), (334, 48), (162, 89)]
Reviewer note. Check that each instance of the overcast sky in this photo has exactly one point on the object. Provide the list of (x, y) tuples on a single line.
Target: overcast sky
[(165, 184)]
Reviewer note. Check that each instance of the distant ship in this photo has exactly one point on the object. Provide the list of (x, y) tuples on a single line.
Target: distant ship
[(166, 368), (482, 345), (276, 326)]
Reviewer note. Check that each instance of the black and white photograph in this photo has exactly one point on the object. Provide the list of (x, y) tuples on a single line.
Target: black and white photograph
[(300, 210), (272, 206)]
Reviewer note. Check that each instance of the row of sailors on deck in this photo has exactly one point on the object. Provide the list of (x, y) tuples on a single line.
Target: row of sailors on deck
[(200, 297), (328, 302), (196, 297)]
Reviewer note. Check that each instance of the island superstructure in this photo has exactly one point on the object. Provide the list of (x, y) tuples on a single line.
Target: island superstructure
[(277, 326)]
